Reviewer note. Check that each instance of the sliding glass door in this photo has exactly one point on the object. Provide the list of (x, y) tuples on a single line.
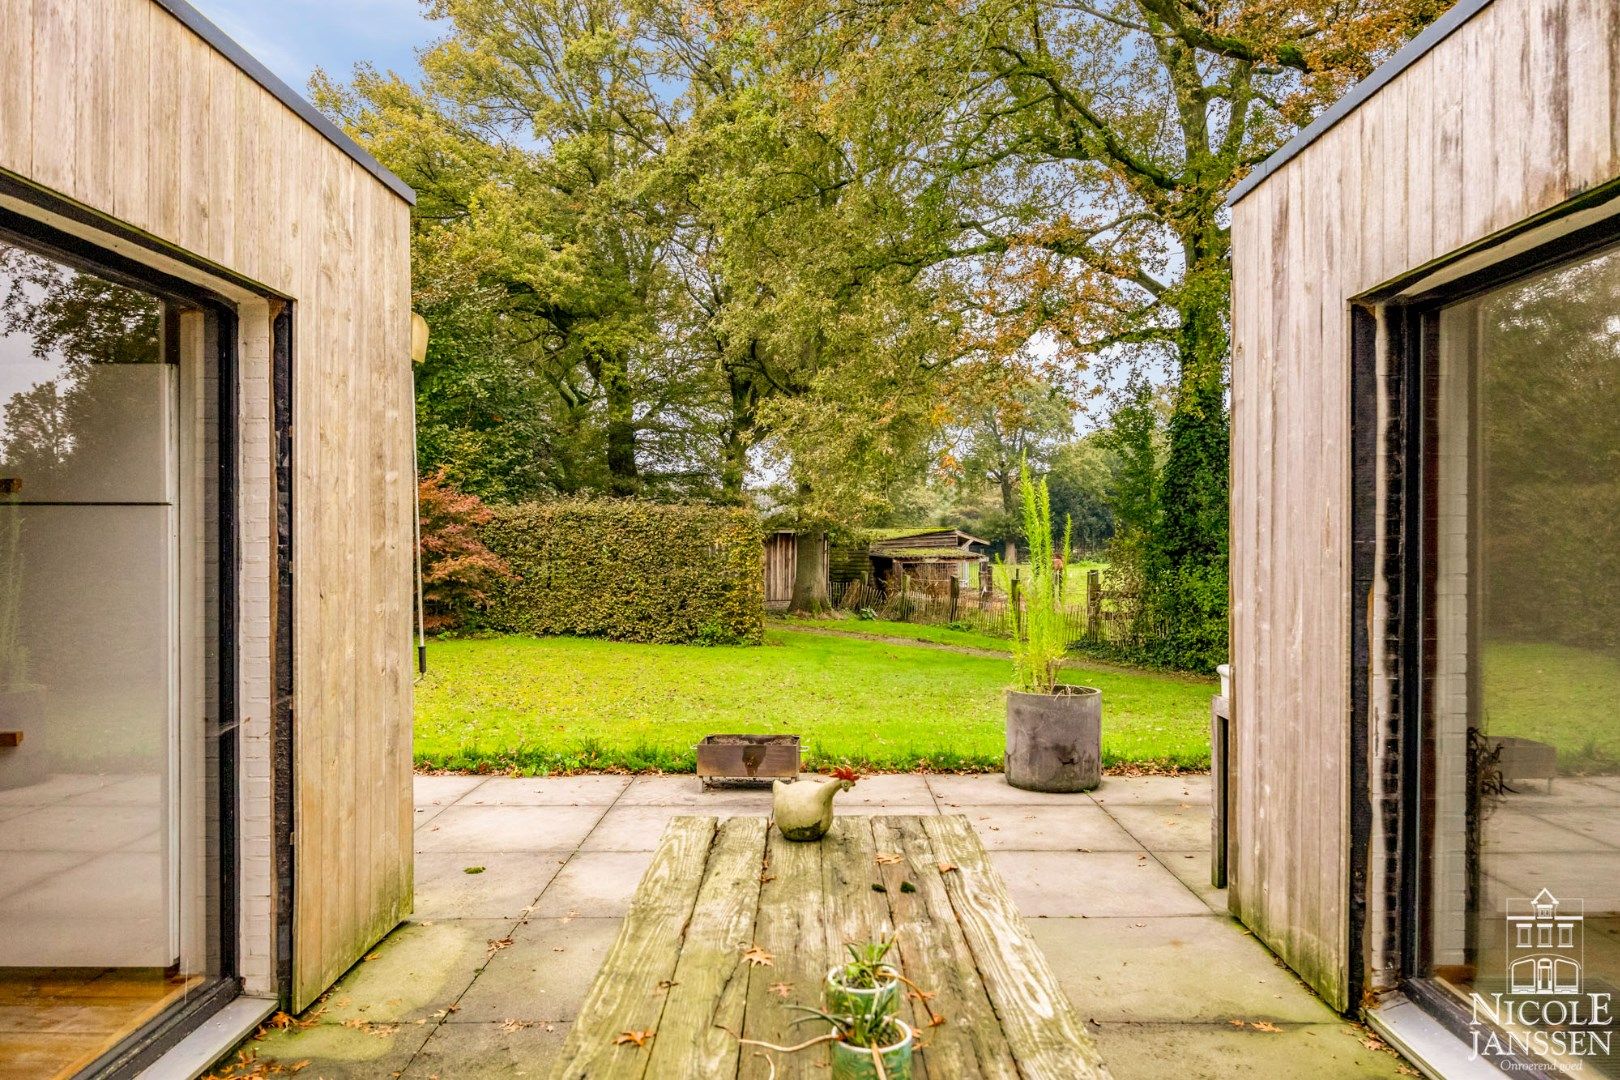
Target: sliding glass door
[(109, 790), (1521, 664)]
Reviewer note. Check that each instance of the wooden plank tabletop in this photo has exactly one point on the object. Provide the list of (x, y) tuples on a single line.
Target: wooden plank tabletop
[(678, 988)]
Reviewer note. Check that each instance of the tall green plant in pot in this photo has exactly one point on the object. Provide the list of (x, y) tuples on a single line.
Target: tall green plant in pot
[(1054, 730)]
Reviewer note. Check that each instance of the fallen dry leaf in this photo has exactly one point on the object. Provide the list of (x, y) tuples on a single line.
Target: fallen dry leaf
[(517, 1025), (946, 867), (759, 957), (884, 858), (496, 945), (1261, 1025), (638, 1037), (781, 989)]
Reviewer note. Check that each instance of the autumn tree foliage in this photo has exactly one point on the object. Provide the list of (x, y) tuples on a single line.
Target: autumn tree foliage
[(689, 249), (458, 571)]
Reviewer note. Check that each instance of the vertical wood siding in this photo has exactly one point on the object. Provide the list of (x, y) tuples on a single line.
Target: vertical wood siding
[(1515, 113), (118, 106), (781, 561)]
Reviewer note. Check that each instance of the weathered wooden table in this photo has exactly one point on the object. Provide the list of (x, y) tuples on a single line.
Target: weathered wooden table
[(732, 923)]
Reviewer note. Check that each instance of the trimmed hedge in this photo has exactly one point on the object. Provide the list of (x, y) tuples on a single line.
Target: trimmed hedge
[(629, 570)]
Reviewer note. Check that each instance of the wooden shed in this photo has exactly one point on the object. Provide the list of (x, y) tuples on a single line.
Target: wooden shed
[(928, 555), (205, 541), (1425, 520)]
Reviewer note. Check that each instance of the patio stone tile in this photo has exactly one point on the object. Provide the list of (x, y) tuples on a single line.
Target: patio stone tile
[(687, 791), (890, 791), (991, 789), (509, 883), (548, 791), (1221, 1051), (339, 1053), (1514, 830), (598, 883), (53, 789), (1192, 870), (1082, 827), (133, 791), (1165, 826), (639, 828), (421, 815), (418, 970), (1186, 788), (508, 828), (1568, 793), (443, 790), (1198, 968), (543, 976), (66, 827), (1097, 885), (479, 1050)]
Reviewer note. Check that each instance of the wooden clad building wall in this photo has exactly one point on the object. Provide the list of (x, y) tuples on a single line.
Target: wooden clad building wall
[(1511, 115), (119, 106)]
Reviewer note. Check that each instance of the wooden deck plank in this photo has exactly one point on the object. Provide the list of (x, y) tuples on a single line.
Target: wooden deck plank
[(792, 914), (626, 995), (1036, 1018), (934, 954), (697, 1035), (855, 911)]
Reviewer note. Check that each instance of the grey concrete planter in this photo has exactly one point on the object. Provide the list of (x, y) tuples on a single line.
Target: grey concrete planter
[(1054, 741)]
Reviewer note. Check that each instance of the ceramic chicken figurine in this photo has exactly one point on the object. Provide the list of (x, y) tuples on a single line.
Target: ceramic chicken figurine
[(803, 809)]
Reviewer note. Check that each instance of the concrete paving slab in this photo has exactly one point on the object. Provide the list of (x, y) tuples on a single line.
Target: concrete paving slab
[(549, 791), (508, 828), (992, 789), (443, 790), (1186, 788), (1165, 826), (687, 791), (1081, 827), (334, 1052), (455, 1051), (1519, 832), (1221, 1051), (889, 792), (597, 883), (1196, 968), (1192, 870), (543, 976), (507, 885), (639, 828), (417, 971), (1100, 884)]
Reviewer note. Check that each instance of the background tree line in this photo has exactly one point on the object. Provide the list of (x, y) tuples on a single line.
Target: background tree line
[(854, 260)]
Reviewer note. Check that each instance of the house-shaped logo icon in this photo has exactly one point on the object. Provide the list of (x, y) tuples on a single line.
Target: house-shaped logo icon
[(1544, 941)]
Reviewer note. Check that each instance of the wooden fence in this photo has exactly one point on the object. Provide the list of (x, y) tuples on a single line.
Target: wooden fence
[(1103, 616)]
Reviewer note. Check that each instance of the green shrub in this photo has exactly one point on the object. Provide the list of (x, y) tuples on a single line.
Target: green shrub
[(629, 570)]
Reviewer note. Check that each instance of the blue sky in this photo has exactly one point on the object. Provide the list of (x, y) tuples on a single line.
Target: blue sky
[(294, 37)]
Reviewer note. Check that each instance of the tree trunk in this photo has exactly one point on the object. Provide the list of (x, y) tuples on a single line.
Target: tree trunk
[(809, 575), (623, 475)]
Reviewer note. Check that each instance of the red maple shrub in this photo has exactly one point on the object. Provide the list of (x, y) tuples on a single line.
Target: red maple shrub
[(457, 569)]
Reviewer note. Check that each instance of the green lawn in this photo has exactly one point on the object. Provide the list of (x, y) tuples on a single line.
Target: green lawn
[(561, 704), (1558, 694), (938, 635)]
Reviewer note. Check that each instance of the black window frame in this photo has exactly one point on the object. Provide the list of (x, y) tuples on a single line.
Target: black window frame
[(140, 1048), (1407, 447)]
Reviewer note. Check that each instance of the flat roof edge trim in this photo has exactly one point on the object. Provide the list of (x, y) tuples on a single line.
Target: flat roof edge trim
[(199, 24), (1408, 54)]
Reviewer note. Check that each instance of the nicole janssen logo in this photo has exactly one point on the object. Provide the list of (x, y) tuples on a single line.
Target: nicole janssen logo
[(1545, 1013)]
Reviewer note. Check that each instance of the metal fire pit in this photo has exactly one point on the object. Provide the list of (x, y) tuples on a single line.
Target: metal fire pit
[(744, 759)]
